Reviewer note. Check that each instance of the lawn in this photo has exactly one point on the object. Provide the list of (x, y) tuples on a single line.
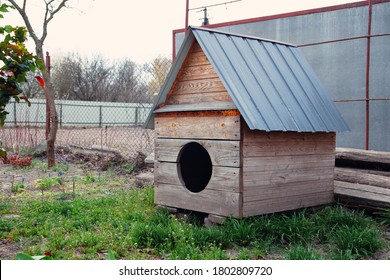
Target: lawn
[(73, 212)]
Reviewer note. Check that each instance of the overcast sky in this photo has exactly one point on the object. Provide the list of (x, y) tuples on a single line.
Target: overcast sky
[(142, 29)]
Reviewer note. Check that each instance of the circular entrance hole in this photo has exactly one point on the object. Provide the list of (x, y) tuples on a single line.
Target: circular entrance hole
[(195, 167)]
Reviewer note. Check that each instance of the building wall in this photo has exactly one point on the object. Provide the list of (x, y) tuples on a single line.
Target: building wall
[(334, 41)]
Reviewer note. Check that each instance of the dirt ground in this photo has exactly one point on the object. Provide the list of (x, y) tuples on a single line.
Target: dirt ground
[(80, 161)]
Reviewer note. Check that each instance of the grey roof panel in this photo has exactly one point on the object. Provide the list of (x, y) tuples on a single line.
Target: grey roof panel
[(271, 83)]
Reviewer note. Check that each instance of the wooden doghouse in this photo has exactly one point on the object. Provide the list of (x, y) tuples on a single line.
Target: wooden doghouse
[(243, 128)]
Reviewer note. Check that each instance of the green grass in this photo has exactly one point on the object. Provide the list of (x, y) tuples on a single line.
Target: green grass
[(99, 215), (126, 223)]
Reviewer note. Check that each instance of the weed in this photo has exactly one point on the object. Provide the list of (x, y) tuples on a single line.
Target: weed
[(44, 184), (89, 178), (241, 231), (301, 252), (128, 167), (61, 168), (244, 254), (384, 217), (357, 241), (18, 187)]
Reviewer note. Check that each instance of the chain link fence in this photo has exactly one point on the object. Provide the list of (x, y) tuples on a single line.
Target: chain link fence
[(101, 104)]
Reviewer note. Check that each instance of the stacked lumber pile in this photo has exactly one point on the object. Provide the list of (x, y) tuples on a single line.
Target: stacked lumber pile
[(362, 178)]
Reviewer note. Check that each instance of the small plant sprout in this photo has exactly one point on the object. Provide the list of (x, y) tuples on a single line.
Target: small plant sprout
[(18, 186), (61, 181), (74, 186), (44, 184)]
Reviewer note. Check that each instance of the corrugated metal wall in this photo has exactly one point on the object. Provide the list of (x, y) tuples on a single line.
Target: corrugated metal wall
[(334, 40)]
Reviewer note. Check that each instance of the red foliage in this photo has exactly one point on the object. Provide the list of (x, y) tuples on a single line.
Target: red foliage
[(48, 253), (18, 161), (40, 81)]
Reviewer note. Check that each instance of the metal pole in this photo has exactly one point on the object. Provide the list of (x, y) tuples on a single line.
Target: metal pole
[(48, 66), (100, 116), (61, 115), (368, 59), (187, 9)]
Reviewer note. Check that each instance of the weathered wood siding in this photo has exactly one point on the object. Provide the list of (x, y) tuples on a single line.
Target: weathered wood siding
[(286, 170), (223, 194), (197, 82), (216, 129), (198, 126)]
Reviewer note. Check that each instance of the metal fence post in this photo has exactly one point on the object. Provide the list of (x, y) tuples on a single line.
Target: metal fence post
[(136, 116), (15, 121), (61, 115), (100, 115)]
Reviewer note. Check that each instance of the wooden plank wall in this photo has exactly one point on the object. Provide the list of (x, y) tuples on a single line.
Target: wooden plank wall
[(219, 132), (286, 170), (223, 194), (197, 82)]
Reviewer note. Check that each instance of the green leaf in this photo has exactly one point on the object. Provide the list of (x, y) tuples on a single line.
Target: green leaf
[(23, 257), (43, 257), (111, 255), (8, 28), (20, 34), (3, 153), (4, 8), (3, 116)]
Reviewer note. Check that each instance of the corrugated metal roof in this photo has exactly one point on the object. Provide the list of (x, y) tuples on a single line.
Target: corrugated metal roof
[(271, 83)]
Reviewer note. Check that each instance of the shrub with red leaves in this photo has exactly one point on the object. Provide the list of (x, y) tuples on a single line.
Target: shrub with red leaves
[(16, 160)]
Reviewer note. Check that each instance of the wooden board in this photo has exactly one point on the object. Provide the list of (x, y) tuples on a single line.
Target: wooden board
[(199, 86), (271, 137), (363, 155), (194, 98), (287, 147), (201, 127), (222, 153), (292, 189), (373, 193), (287, 163), (208, 201), (197, 72), (280, 204), (223, 178), (197, 58), (276, 178), (201, 106)]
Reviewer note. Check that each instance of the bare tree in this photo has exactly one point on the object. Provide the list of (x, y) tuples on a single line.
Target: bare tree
[(52, 7), (159, 71), (128, 84), (80, 78), (97, 79)]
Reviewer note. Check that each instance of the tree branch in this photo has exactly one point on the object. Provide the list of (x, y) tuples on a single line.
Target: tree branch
[(49, 15), (22, 12)]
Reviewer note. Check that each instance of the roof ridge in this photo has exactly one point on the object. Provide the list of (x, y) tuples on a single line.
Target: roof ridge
[(241, 35)]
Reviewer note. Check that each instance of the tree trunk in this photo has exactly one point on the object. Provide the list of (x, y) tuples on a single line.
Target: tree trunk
[(363, 159), (53, 121), (357, 176)]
